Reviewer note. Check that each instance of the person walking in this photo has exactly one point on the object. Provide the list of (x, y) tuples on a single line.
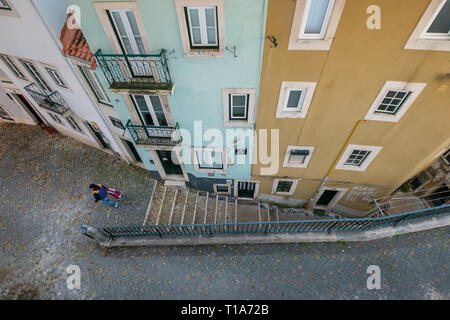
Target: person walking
[(101, 194)]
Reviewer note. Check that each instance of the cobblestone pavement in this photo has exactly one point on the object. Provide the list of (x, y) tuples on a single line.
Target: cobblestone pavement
[(44, 198)]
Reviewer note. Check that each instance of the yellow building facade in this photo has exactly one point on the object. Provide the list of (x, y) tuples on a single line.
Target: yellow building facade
[(360, 94)]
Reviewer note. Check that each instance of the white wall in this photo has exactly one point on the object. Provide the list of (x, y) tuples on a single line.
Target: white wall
[(29, 37)]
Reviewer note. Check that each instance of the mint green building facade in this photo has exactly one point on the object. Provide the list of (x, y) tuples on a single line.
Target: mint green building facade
[(202, 60)]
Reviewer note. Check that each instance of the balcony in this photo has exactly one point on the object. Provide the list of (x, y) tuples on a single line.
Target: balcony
[(51, 101), (154, 135), (136, 73)]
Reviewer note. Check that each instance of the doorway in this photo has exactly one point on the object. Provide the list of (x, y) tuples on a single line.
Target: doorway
[(22, 101), (98, 134), (329, 197), (169, 166), (132, 149), (245, 189)]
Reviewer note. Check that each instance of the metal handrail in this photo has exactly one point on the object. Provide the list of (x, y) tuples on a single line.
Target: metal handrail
[(159, 135), (52, 101)]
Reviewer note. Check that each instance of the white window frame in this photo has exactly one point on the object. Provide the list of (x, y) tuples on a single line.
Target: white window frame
[(197, 51), (419, 40), (299, 41), (227, 93), (56, 119), (56, 77), (4, 5), (10, 11), (36, 75), (291, 190), (255, 192), (340, 193), (97, 82), (326, 20), (231, 106), (308, 89), (442, 36), (305, 164), (195, 159), (3, 109), (221, 192), (13, 67), (374, 150), (73, 124), (414, 87), (203, 29)]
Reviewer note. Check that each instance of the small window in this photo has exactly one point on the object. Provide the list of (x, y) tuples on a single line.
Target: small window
[(73, 124), (36, 76), (55, 118), (12, 66), (357, 158), (4, 115), (298, 156), (392, 101), (55, 76), (284, 186), (4, 5), (240, 151), (202, 27), (446, 157), (95, 85), (439, 26), (315, 20), (238, 106), (294, 100), (117, 123), (222, 188), (127, 30), (209, 159)]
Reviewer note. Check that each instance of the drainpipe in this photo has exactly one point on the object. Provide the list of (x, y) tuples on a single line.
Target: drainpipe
[(100, 114), (314, 197)]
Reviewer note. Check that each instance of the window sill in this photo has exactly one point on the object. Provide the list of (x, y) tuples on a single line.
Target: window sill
[(205, 53)]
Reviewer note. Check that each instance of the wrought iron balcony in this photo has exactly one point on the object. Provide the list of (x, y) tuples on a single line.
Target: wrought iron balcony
[(50, 101), (154, 135), (136, 73)]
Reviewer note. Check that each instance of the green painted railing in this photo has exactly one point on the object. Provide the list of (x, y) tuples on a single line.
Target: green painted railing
[(51, 101), (154, 135), (138, 69)]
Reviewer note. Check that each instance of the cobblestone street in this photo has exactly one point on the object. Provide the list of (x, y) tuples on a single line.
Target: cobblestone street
[(44, 199)]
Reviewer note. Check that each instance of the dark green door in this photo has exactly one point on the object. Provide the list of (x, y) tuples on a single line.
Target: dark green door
[(166, 160)]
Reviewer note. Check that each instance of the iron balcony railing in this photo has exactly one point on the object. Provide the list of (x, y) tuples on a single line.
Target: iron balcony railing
[(139, 73), (50, 101), (327, 225), (154, 135)]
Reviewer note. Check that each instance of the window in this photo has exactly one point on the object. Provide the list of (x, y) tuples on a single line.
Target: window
[(73, 124), (117, 123), (446, 157), (315, 19), (294, 99), (222, 189), (314, 24), (419, 180), (4, 5), (127, 31), (209, 159), (432, 32), (297, 156), (55, 118), (55, 76), (202, 26), (357, 157), (393, 100), (95, 85), (150, 110), (12, 66), (284, 186), (238, 106), (4, 115), (36, 76), (439, 26)]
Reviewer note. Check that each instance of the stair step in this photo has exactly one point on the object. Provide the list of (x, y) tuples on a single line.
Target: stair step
[(247, 212), (179, 205), (155, 205), (175, 183), (164, 217)]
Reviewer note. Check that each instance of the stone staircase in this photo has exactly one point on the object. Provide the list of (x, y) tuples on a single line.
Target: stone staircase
[(171, 205)]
